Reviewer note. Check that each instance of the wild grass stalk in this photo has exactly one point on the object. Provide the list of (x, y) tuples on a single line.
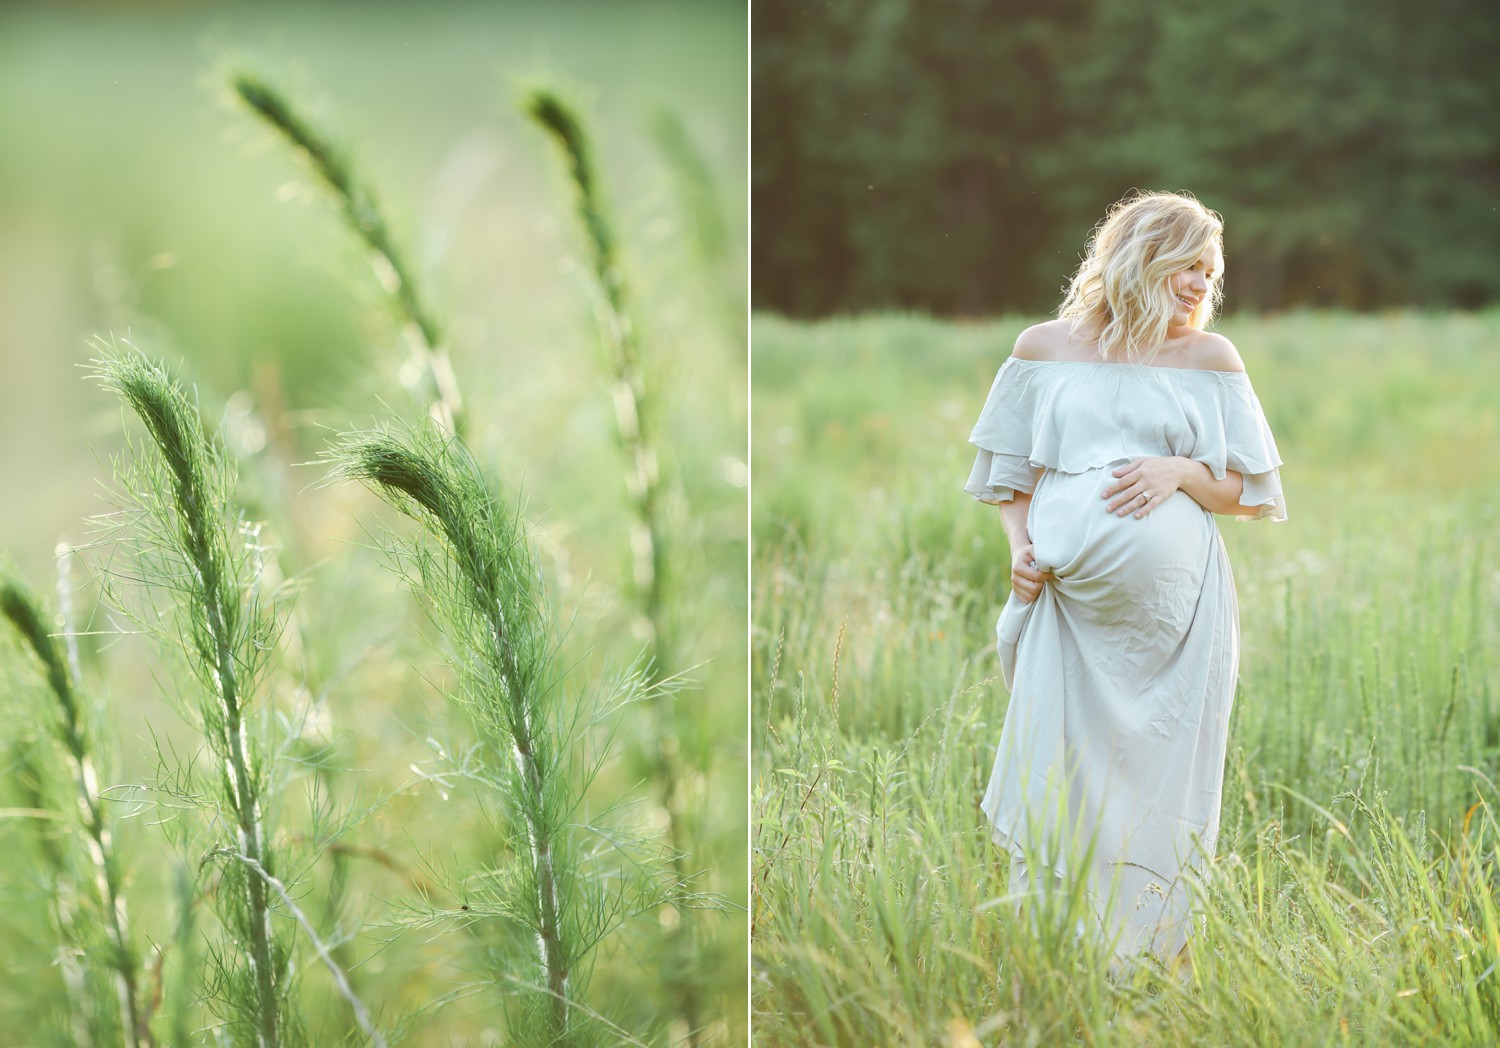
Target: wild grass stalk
[(194, 544), (182, 995), (494, 581), (634, 417), (486, 592), (82, 1018), (340, 979), (428, 375), (71, 727), (635, 430)]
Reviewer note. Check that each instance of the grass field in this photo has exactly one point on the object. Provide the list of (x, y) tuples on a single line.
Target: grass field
[(135, 200), (1353, 899)]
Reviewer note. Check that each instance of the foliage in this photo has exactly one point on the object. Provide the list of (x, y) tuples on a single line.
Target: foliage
[(196, 554), (92, 922), (952, 157), (486, 590), (371, 793), (636, 430), (620, 333), (204, 239), (429, 378)]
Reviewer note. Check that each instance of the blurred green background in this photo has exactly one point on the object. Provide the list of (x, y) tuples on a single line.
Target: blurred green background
[(136, 200), (133, 198), (951, 156)]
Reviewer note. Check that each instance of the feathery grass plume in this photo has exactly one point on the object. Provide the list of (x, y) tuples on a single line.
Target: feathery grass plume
[(25, 613), (633, 416), (633, 428), (194, 545), (486, 592), (493, 598), (428, 375)]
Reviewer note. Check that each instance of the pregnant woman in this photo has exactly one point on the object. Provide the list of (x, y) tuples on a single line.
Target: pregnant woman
[(1110, 439)]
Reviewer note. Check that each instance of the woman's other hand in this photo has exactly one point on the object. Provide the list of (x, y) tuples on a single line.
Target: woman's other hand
[(1025, 578), (1143, 485)]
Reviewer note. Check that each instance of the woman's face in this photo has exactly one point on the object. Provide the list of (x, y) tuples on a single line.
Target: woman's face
[(1191, 285)]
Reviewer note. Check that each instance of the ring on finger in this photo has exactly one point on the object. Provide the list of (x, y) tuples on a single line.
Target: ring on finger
[(1146, 496)]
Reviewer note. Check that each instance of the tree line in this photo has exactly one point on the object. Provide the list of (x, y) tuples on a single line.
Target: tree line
[(951, 156)]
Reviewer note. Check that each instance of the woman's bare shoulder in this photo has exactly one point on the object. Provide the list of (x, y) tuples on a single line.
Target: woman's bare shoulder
[(1049, 340), (1218, 353), (1210, 351)]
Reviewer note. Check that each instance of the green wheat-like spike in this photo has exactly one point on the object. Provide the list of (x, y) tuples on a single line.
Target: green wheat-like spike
[(550, 111), (488, 588), (24, 611), (433, 382), (633, 429), (633, 417), (188, 496)]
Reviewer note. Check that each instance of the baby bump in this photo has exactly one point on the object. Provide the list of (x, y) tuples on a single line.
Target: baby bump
[(1148, 567)]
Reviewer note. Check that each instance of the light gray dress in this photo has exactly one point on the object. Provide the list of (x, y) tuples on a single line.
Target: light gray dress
[(1122, 672)]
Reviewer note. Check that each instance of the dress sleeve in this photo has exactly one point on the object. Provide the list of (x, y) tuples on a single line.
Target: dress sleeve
[(1250, 450), (1003, 436)]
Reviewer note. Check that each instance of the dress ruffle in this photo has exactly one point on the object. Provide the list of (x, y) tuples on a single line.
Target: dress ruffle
[(1045, 415)]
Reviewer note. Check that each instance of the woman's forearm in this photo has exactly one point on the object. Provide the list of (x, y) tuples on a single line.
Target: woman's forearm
[(1013, 520), (1216, 496)]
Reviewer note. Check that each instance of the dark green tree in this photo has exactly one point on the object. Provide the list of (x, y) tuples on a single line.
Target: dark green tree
[(952, 156)]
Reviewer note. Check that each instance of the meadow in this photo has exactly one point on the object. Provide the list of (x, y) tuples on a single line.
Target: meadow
[(143, 201), (1353, 899)]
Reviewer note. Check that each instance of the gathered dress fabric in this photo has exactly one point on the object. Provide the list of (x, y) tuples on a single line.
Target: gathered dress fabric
[(1122, 672)]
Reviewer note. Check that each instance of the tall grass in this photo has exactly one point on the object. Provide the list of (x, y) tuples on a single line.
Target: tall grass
[(634, 429), (1353, 897), (428, 374), (485, 588), (383, 814), (636, 432), (191, 542), (71, 719), (619, 328), (49, 929)]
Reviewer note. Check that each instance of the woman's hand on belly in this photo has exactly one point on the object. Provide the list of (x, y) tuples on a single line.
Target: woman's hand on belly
[(1025, 579), (1160, 478), (1144, 484)]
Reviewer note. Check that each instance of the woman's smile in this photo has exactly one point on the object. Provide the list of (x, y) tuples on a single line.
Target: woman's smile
[(1191, 285)]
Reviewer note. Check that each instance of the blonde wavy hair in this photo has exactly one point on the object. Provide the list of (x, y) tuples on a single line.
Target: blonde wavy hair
[(1120, 290)]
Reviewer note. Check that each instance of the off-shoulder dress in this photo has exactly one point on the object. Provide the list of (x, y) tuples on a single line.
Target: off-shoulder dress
[(1122, 673)]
